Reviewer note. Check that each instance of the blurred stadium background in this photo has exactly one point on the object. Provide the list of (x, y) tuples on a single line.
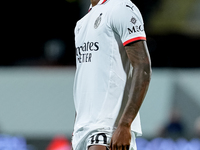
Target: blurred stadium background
[(37, 66)]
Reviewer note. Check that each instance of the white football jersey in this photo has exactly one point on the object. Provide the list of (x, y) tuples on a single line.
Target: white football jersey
[(103, 71)]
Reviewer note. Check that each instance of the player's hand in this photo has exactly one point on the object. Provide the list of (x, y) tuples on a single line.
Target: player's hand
[(121, 138)]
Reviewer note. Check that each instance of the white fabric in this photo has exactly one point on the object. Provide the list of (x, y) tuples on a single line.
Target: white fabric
[(103, 72)]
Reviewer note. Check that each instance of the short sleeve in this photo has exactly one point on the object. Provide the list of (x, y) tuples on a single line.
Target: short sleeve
[(126, 20)]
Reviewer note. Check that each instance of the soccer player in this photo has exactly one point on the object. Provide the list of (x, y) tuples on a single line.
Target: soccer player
[(113, 72)]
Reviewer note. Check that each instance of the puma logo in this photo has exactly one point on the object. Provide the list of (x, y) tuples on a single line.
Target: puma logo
[(130, 7)]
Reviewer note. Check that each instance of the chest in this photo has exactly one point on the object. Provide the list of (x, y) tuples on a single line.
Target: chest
[(95, 25)]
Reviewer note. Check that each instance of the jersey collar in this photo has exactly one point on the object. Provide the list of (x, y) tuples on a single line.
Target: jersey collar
[(99, 3)]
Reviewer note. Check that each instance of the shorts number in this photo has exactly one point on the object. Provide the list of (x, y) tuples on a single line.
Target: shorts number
[(95, 138)]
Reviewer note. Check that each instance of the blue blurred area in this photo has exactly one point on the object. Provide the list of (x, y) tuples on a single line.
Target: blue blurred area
[(168, 144), (8, 142)]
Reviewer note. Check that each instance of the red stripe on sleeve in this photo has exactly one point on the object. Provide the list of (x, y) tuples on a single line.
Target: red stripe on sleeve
[(104, 1), (133, 40)]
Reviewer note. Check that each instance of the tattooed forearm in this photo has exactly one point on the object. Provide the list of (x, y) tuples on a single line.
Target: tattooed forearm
[(140, 60)]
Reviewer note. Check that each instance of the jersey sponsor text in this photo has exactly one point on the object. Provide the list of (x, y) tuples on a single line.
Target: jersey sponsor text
[(84, 52)]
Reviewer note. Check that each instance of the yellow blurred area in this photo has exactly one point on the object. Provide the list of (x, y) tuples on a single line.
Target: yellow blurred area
[(176, 16)]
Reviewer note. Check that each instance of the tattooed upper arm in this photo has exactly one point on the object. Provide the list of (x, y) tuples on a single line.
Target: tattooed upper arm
[(138, 53), (139, 57)]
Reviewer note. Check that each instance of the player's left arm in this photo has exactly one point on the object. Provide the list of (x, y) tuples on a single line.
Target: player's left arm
[(139, 57)]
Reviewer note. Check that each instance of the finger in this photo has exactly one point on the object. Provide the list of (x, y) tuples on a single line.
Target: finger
[(110, 147), (127, 147), (119, 147), (123, 147), (114, 147)]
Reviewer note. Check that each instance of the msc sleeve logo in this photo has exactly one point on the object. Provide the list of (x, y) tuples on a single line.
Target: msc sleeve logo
[(135, 28)]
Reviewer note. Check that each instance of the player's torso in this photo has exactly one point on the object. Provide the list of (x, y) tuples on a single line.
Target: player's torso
[(96, 51)]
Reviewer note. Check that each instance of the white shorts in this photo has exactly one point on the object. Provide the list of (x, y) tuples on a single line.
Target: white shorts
[(82, 140)]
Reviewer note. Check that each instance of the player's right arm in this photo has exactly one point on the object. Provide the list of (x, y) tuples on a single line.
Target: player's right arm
[(138, 55), (127, 22)]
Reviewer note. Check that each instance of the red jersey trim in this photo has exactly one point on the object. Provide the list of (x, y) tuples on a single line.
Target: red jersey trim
[(104, 1), (133, 40)]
